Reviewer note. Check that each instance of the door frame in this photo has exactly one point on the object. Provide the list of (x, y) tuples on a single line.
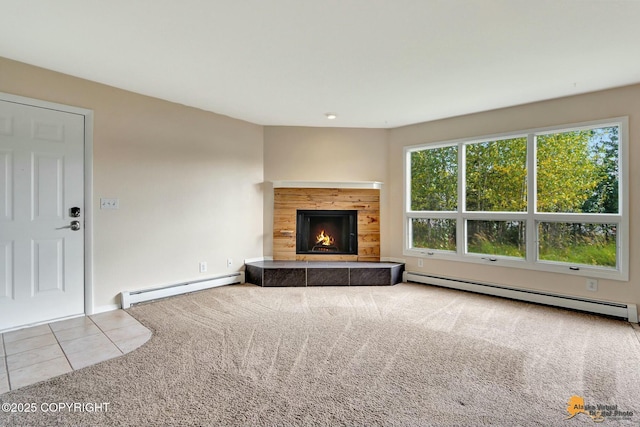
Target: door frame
[(89, 307)]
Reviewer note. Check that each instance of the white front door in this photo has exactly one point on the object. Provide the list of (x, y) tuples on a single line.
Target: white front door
[(41, 181)]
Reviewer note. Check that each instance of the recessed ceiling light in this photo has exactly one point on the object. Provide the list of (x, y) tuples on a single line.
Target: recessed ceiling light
[(331, 116)]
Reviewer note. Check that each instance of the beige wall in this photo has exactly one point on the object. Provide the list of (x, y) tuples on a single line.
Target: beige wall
[(600, 105), (324, 154), (189, 183), (194, 186)]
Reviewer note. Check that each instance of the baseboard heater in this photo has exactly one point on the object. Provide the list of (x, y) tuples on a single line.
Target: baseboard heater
[(627, 311), (133, 297)]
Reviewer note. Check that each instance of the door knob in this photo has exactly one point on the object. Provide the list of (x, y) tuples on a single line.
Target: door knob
[(74, 226)]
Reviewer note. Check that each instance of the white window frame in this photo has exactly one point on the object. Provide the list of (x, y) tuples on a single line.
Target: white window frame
[(531, 217)]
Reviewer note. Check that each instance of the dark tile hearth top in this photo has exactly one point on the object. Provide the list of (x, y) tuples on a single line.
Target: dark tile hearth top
[(323, 264), (319, 273)]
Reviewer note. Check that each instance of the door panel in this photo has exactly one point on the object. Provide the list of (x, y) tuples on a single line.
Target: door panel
[(6, 270), (48, 269), (47, 187), (41, 257), (6, 127), (47, 131), (6, 186)]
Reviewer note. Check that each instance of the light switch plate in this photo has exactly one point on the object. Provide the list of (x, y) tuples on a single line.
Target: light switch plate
[(109, 203)]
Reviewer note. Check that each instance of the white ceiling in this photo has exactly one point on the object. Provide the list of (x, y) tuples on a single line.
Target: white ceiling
[(376, 63)]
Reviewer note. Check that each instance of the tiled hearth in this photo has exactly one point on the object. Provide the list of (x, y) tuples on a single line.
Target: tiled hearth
[(305, 273)]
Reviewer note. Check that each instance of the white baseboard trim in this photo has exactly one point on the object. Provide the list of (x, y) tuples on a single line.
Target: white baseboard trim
[(623, 310), (133, 297), (105, 308)]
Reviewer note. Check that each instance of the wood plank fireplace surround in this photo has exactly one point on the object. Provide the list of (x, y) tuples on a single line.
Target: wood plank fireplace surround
[(338, 263)]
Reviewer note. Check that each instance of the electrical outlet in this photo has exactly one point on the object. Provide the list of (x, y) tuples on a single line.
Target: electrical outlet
[(229, 262), (203, 267), (592, 285), (420, 262)]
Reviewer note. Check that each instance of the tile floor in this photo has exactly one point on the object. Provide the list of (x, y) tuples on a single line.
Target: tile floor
[(38, 353)]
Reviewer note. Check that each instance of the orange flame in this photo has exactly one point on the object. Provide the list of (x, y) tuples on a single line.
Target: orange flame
[(324, 239)]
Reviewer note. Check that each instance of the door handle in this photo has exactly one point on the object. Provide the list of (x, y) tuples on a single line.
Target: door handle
[(74, 226)]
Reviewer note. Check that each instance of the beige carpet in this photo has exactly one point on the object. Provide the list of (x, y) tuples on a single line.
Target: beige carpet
[(405, 355)]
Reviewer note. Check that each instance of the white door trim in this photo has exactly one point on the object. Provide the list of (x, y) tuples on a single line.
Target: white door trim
[(89, 307)]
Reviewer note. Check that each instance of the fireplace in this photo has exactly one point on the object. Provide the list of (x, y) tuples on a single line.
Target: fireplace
[(288, 200), (327, 232)]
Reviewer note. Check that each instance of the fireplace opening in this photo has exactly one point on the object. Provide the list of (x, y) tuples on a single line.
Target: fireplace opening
[(327, 232)]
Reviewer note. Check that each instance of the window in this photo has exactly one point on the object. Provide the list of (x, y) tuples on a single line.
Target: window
[(548, 199)]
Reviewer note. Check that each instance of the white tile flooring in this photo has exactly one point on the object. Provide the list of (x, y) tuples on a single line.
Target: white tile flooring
[(38, 353)]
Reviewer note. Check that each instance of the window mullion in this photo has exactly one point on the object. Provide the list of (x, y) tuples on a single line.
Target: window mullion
[(532, 194), (433, 214), (461, 229), (496, 216), (579, 217)]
